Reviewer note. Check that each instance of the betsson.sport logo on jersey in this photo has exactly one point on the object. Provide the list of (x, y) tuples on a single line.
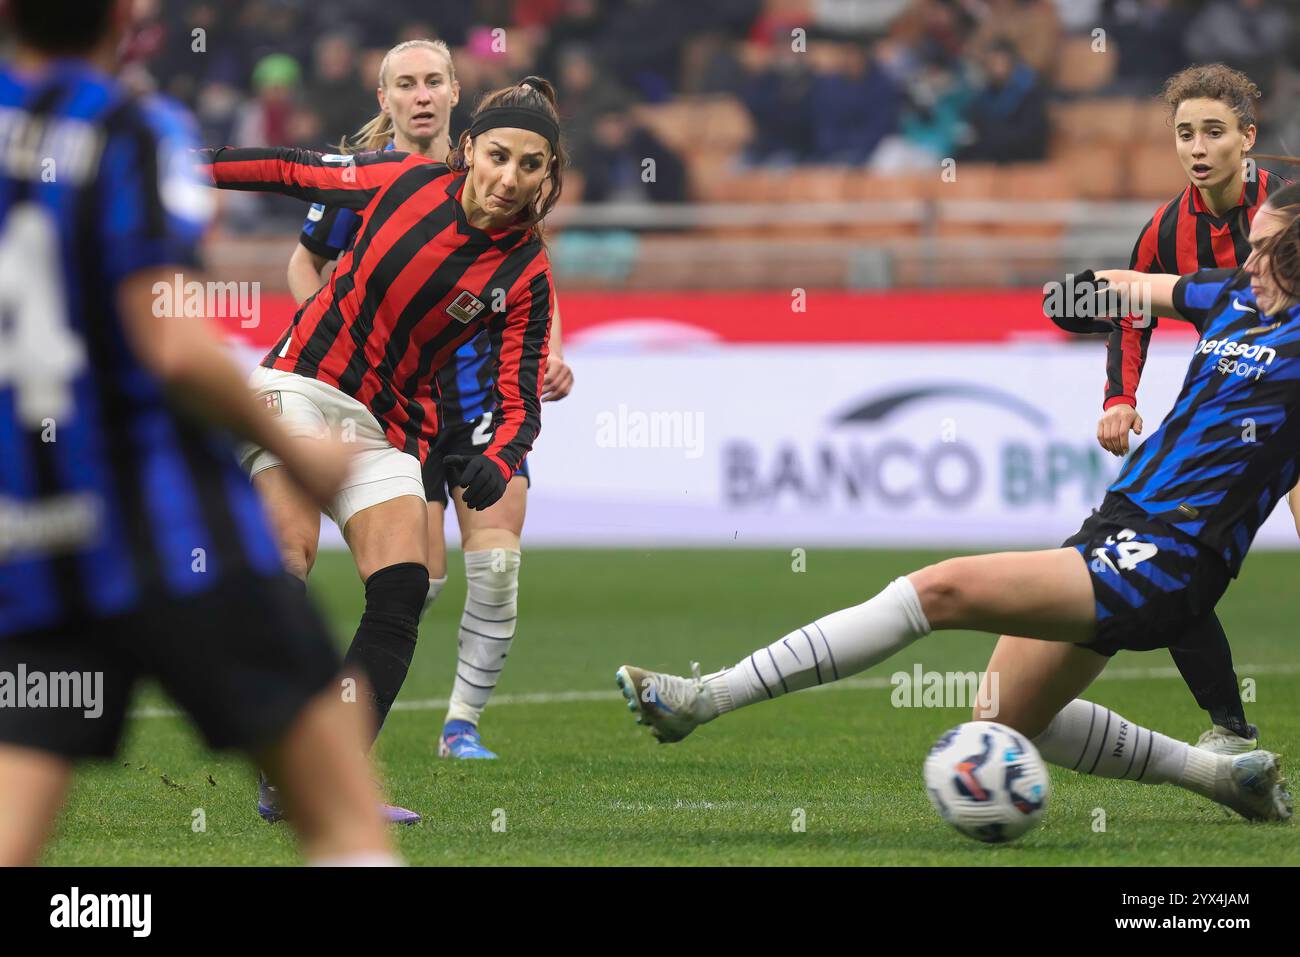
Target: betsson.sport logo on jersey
[(1238, 358)]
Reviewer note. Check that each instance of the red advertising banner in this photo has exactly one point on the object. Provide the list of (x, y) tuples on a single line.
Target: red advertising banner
[(808, 317)]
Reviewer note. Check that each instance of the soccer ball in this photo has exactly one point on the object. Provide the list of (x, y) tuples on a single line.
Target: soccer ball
[(987, 781)]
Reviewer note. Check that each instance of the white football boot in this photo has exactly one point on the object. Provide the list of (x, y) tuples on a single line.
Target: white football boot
[(672, 706), (1253, 786), (1221, 740)]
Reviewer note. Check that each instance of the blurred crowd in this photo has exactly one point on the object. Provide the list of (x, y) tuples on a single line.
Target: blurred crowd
[(880, 83)]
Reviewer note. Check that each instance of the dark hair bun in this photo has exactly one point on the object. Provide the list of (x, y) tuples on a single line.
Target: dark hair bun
[(542, 86)]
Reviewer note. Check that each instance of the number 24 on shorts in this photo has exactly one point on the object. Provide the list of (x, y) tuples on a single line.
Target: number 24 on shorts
[(1131, 553)]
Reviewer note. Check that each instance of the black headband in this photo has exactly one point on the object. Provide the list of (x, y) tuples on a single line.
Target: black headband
[(517, 117)]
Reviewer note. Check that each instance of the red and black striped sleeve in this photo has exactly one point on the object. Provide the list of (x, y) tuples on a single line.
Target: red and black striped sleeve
[(1126, 347), (524, 332), (350, 180)]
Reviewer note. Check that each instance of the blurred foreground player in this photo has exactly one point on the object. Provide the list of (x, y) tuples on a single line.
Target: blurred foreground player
[(131, 545)]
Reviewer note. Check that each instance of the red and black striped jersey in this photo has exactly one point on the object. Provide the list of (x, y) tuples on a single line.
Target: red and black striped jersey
[(417, 283), (1182, 237)]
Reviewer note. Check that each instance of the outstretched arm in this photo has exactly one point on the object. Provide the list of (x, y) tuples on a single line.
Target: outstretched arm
[(1155, 290), (350, 181)]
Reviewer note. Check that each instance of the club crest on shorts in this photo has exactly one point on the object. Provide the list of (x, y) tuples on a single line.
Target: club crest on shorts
[(272, 400), (465, 307)]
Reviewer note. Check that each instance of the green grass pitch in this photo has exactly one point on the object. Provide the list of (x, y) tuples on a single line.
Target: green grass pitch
[(581, 783)]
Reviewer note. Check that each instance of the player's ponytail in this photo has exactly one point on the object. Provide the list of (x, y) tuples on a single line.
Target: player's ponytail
[(532, 93), (373, 136)]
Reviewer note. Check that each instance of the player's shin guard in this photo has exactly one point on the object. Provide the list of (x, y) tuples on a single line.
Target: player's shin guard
[(1090, 739), (830, 648), (385, 640), (487, 629)]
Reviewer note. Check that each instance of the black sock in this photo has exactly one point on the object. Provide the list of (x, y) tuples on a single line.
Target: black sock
[(385, 640)]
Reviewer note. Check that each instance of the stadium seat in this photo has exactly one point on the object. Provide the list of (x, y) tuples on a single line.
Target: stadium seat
[(795, 11), (1080, 69), (706, 172), (923, 272), (699, 123), (1152, 123), (1031, 183), (574, 184), (728, 126), (1098, 172), (754, 186), (1035, 181), (1154, 173), (819, 184), (972, 181), (671, 123), (1088, 121), (864, 186)]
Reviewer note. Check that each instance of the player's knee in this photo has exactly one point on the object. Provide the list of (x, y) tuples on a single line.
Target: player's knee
[(398, 590), (298, 556), (493, 577), (942, 596)]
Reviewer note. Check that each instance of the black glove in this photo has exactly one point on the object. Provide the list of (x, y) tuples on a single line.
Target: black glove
[(1079, 306), (479, 476)]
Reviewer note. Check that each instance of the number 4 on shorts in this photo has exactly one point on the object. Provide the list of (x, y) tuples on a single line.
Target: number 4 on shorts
[(1131, 553)]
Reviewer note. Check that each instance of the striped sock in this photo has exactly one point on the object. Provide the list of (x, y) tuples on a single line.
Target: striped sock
[(1090, 739), (487, 629), (833, 647)]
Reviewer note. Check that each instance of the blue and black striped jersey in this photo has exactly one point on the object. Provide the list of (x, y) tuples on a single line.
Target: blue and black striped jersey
[(1229, 449), (465, 384), (108, 499)]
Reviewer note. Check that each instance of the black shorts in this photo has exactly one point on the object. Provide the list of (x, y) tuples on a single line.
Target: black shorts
[(459, 438), (1152, 583), (241, 659)]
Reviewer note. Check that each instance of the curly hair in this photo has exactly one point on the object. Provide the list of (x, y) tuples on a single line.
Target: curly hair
[(1214, 81)]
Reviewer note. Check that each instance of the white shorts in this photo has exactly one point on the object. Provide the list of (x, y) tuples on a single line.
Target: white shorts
[(311, 409)]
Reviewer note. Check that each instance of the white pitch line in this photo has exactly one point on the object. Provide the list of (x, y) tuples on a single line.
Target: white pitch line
[(848, 684)]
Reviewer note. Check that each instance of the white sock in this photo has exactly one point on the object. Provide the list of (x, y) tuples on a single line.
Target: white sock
[(435, 589), (833, 647), (487, 629), (364, 859), (1090, 739)]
